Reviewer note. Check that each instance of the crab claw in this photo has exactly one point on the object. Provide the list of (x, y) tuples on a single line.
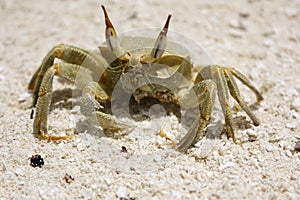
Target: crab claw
[(161, 41), (111, 36)]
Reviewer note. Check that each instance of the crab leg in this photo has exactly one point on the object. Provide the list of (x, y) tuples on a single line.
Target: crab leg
[(206, 92), (223, 94), (69, 54), (247, 82), (234, 91), (91, 95), (65, 70)]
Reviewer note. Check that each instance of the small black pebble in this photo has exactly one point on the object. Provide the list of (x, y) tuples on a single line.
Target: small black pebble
[(124, 149), (297, 146), (36, 161)]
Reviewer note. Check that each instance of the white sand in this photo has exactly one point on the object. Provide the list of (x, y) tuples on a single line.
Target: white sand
[(260, 38)]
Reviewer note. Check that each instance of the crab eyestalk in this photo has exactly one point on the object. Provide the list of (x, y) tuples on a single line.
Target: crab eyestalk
[(112, 40), (161, 41)]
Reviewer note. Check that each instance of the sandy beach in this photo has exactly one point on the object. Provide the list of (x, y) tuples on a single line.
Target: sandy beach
[(259, 38)]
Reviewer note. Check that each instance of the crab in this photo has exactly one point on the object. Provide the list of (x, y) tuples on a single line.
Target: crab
[(115, 63)]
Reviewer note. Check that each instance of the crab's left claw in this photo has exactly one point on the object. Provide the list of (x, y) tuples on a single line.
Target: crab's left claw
[(112, 40), (161, 41)]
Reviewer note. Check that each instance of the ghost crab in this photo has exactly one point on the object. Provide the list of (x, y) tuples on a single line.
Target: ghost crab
[(113, 62)]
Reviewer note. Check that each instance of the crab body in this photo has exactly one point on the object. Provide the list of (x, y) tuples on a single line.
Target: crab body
[(116, 69)]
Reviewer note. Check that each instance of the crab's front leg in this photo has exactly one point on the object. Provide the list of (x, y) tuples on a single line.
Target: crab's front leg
[(68, 54), (64, 70), (205, 92), (91, 96)]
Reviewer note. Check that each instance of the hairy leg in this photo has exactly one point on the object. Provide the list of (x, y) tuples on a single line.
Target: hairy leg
[(68, 54), (65, 70), (205, 92)]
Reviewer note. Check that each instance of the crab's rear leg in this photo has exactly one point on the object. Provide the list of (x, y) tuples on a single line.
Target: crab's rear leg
[(206, 92), (217, 74), (223, 76), (248, 83), (68, 71), (91, 96), (223, 94), (234, 91)]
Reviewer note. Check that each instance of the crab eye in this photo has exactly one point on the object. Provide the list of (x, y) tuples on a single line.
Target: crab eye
[(111, 35), (161, 41)]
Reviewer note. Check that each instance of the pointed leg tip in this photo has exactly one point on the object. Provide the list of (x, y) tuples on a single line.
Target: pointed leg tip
[(181, 148), (53, 138), (256, 123), (260, 99)]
